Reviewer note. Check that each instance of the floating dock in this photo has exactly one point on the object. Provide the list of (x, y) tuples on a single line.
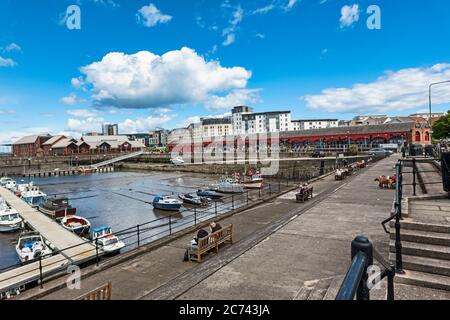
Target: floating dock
[(78, 251)]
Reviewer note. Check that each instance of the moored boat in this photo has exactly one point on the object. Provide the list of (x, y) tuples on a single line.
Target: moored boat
[(193, 199), (4, 181), (106, 240), (10, 185), (31, 246), (76, 224), (57, 208), (85, 170), (254, 181), (228, 185), (209, 194), (167, 203), (33, 196), (10, 220), (177, 161)]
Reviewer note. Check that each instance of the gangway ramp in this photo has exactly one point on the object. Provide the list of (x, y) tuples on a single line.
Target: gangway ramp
[(117, 159), (70, 248)]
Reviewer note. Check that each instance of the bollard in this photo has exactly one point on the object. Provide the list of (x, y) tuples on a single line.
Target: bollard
[(390, 283), (362, 244)]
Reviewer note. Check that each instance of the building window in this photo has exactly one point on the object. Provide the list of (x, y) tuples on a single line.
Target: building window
[(417, 136), (427, 136)]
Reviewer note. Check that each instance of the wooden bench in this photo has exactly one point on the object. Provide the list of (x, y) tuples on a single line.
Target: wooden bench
[(304, 194), (211, 242)]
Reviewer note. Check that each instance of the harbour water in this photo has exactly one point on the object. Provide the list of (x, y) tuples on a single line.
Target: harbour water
[(119, 199)]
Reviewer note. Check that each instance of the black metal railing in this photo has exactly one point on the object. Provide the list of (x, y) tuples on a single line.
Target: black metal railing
[(144, 233), (357, 281)]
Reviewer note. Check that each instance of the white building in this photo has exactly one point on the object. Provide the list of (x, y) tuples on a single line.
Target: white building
[(245, 121), (314, 124), (425, 115), (216, 127)]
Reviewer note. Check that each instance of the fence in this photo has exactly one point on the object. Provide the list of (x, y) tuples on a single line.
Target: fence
[(136, 236)]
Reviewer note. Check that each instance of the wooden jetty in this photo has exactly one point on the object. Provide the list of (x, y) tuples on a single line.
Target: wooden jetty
[(79, 250)]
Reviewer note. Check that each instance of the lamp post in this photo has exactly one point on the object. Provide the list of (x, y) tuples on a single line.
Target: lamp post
[(429, 99)]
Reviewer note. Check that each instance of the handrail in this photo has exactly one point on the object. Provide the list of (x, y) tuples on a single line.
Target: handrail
[(353, 277)]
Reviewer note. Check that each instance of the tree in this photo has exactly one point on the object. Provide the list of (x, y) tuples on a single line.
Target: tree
[(441, 128)]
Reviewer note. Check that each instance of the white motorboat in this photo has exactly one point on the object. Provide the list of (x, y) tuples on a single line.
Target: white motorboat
[(21, 187), (76, 224), (4, 181), (33, 196), (228, 185), (10, 185), (167, 203), (10, 220), (178, 161), (193, 198), (106, 240), (31, 246)]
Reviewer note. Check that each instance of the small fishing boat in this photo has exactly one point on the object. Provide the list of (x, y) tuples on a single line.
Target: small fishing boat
[(193, 199), (228, 185), (167, 203), (76, 224), (85, 170), (57, 208), (33, 196), (209, 194), (31, 246), (177, 161), (4, 181), (21, 187), (106, 240), (254, 181), (10, 220)]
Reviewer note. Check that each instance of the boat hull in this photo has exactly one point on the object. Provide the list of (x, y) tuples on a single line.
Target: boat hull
[(252, 184), (10, 227), (58, 214), (167, 206)]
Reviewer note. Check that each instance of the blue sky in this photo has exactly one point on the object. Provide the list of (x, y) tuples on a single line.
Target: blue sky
[(165, 63)]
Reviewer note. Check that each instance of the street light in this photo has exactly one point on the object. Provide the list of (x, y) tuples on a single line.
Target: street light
[(429, 98)]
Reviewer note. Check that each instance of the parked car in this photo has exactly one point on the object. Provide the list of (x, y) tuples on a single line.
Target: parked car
[(379, 152)]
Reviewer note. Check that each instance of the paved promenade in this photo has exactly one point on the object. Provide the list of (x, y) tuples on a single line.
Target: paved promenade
[(278, 247)]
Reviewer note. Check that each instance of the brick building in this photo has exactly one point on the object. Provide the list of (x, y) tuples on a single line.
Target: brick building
[(30, 146)]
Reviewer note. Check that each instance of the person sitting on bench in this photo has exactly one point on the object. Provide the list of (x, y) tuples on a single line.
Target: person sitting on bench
[(194, 242), (213, 227)]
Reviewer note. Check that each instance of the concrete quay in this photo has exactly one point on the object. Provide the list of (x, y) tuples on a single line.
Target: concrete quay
[(280, 248)]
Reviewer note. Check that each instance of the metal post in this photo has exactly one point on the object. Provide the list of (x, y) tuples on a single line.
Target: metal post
[(96, 251), (390, 284), (195, 216), (362, 244), (414, 176), (279, 186), (170, 225), (232, 201), (138, 231), (270, 189), (259, 192), (215, 207), (247, 197), (41, 278)]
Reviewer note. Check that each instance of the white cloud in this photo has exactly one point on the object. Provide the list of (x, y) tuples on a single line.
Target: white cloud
[(230, 31), (291, 4), (12, 47), (72, 100), (82, 113), (146, 80), (349, 15), (144, 124), (91, 124), (234, 98), (264, 10), (6, 62), (151, 16), (260, 35), (394, 91)]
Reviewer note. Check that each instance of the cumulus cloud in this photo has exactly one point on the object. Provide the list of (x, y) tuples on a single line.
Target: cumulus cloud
[(349, 15), (394, 91), (144, 124), (7, 62), (82, 113), (147, 80), (12, 47), (72, 100), (90, 124), (150, 16), (234, 98)]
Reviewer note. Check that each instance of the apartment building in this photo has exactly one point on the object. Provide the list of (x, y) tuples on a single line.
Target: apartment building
[(314, 124)]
